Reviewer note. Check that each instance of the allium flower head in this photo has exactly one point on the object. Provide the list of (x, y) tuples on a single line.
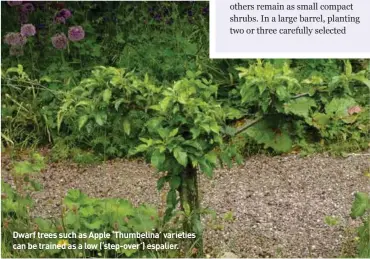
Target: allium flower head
[(27, 8), (15, 39), (60, 20), (28, 30), (76, 33), (65, 13), (59, 41), (16, 51), (14, 3)]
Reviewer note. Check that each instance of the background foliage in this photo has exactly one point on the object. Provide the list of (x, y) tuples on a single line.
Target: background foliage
[(162, 43)]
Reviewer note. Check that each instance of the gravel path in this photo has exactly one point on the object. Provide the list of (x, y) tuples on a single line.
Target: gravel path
[(278, 204)]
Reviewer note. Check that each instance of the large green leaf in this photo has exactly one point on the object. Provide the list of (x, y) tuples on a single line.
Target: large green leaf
[(120, 207), (100, 118), (175, 182), (158, 159), (95, 224), (82, 121), (205, 167), (277, 139), (107, 94), (301, 106), (338, 107), (180, 156), (22, 168), (320, 120), (161, 181), (126, 126)]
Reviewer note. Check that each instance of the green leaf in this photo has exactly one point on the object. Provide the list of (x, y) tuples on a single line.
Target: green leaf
[(23, 168), (119, 207), (82, 121), (87, 211), (100, 118), (141, 148), (215, 128), (211, 157), (118, 102), (263, 133), (360, 205), (36, 185), (301, 106), (190, 48), (180, 156), (153, 124), (195, 132), (165, 103), (144, 219), (175, 182), (362, 78), (348, 68), (107, 94), (282, 93), (338, 107), (72, 220), (171, 199), (205, 167), (187, 209), (43, 224), (320, 120), (161, 181), (158, 159), (174, 132), (126, 126), (96, 224), (73, 195), (163, 132)]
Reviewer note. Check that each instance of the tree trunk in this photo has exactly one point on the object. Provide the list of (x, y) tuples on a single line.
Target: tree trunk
[(190, 205)]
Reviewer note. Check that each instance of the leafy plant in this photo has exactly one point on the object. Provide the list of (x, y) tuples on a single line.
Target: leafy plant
[(24, 171), (85, 217), (361, 208), (285, 104)]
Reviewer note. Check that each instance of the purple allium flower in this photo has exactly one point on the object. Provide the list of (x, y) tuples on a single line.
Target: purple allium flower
[(60, 20), (28, 30), (16, 51), (64, 13), (14, 3), (59, 41), (15, 39), (205, 10), (76, 33), (27, 8)]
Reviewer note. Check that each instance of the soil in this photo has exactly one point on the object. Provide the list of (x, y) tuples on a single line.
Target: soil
[(268, 207)]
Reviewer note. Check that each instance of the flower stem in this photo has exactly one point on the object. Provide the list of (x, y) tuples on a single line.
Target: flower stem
[(63, 59)]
